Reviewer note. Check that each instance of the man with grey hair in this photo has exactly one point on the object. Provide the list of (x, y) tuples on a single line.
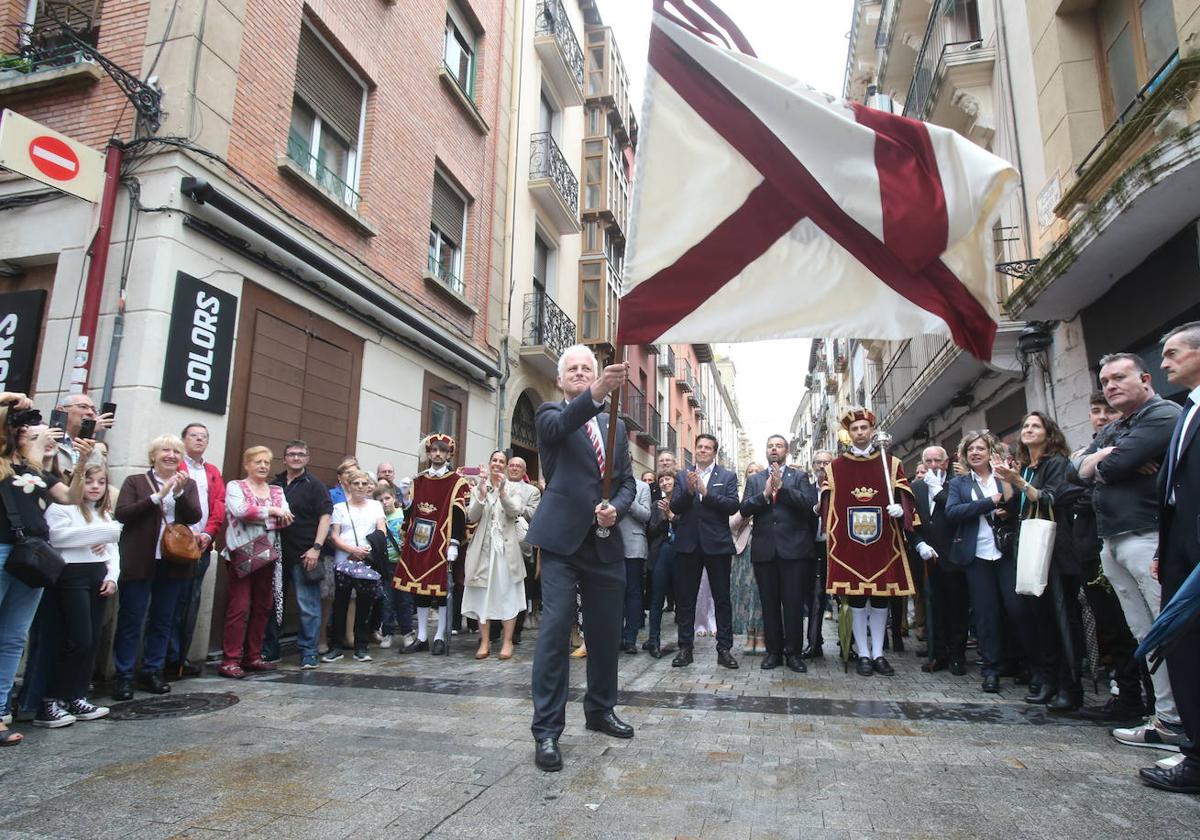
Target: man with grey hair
[(946, 618), (821, 459), (1121, 464)]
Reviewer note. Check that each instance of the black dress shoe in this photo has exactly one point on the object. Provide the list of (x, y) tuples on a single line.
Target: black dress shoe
[(1043, 695), (1182, 778), (154, 683), (865, 669), (796, 664), (646, 645), (817, 652), (547, 756), (630, 648), (655, 651), (1066, 700), (991, 683), (958, 667), (609, 724), (439, 647), (725, 659), (933, 665), (770, 661), (883, 667), (415, 646), (684, 657), (1114, 711), (122, 689)]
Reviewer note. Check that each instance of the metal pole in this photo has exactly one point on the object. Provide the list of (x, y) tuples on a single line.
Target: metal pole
[(85, 346)]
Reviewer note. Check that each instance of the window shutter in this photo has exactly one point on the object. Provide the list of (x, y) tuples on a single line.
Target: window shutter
[(323, 83), (448, 210)]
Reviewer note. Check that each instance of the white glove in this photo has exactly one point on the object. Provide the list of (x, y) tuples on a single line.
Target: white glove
[(895, 510), (934, 480), (452, 553), (926, 551)]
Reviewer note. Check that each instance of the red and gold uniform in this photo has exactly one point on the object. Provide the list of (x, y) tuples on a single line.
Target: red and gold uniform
[(437, 516)]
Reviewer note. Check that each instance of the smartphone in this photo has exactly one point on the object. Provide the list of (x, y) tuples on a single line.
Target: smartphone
[(87, 429), (109, 408), (58, 419), (470, 471)]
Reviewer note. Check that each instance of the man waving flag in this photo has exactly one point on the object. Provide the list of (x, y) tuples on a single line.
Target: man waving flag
[(763, 209)]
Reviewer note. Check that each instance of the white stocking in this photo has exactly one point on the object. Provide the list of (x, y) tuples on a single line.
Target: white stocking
[(879, 618), (443, 625), (859, 615), (422, 624)]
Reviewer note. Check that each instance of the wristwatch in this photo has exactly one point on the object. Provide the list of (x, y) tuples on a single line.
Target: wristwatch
[(316, 546)]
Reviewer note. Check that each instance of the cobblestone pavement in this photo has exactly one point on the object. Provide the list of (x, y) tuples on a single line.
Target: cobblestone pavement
[(421, 746)]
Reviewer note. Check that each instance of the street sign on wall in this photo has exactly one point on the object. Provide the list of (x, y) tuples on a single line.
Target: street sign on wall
[(20, 326), (199, 345), (54, 159)]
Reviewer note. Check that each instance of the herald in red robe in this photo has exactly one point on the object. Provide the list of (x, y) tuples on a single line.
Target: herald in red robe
[(421, 569)]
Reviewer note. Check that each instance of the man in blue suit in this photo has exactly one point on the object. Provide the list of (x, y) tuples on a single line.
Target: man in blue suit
[(573, 447), (1179, 552), (783, 553), (704, 499)]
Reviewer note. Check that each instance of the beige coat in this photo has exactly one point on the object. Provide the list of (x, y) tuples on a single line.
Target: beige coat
[(496, 536)]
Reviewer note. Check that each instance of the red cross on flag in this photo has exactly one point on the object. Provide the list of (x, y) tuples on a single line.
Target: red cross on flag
[(763, 209)]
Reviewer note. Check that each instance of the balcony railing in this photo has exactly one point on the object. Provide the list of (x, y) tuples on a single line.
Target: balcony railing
[(906, 366), (444, 272), (887, 17), (688, 460), (552, 20), (545, 325), (652, 432), (546, 160), (672, 443), (684, 378), (698, 400), (633, 406), (953, 28), (666, 361), (300, 152), (44, 45)]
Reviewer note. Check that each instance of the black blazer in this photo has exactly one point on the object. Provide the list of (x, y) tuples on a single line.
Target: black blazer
[(1179, 524), (935, 529), (702, 523), (963, 511), (573, 481), (1053, 479), (785, 529)]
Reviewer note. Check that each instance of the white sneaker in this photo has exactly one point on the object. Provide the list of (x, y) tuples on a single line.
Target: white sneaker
[(385, 642), (1154, 734), (6, 719), (1171, 761)]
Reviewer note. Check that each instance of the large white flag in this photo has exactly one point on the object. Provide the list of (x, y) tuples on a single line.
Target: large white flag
[(765, 209)]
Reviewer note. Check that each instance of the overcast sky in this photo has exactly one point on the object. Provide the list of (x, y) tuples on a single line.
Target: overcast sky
[(809, 39)]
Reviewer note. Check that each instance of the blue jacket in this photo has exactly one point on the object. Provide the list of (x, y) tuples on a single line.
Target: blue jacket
[(963, 510), (702, 522), (786, 528), (573, 481)]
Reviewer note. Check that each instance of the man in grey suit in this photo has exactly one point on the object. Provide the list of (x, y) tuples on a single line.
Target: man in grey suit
[(633, 534), (572, 445)]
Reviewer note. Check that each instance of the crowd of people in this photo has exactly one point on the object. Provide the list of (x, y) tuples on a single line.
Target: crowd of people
[(762, 563)]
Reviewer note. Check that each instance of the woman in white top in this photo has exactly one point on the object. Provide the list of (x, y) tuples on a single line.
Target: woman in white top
[(86, 535), (353, 521), (494, 587)]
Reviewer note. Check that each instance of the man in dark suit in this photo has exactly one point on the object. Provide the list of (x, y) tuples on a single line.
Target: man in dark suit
[(1179, 552), (704, 499), (781, 500), (575, 527), (947, 627)]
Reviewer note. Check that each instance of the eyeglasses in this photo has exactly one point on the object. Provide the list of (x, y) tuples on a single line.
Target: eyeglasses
[(361, 483), (295, 455)]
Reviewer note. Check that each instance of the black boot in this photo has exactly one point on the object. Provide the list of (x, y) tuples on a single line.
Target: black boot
[(1066, 700), (1042, 694)]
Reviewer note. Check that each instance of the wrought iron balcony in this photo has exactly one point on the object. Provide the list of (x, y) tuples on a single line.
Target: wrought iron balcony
[(633, 406), (547, 331), (553, 183), (953, 31), (684, 378), (688, 460), (300, 152), (556, 44), (666, 361), (697, 399), (54, 48), (652, 433), (672, 442)]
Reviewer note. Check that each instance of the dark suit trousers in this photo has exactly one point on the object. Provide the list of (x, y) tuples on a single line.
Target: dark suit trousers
[(1183, 662), (784, 587), (689, 571), (819, 600), (634, 574), (602, 586), (997, 607), (948, 592)]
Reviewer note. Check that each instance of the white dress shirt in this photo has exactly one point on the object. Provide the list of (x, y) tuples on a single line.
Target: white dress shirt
[(195, 469), (985, 540)]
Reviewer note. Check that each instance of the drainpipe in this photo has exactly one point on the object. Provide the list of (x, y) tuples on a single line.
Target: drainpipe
[(85, 346), (506, 291)]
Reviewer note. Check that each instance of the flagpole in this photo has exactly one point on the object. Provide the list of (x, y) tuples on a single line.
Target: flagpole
[(610, 444)]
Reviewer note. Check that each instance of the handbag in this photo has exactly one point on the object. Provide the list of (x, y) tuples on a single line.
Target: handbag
[(1002, 532), (32, 560), (357, 569), (177, 543), (1034, 550), (261, 551)]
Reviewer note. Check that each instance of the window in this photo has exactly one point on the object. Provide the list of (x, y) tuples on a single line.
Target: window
[(442, 410), (459, 49), (548, 121), (1137, 39), (328, 111), (544, 275), (447, 233)]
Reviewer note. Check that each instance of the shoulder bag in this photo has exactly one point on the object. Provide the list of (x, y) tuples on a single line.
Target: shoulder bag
[(177, 542), (32, 560), (261, 551), (358, 569), (1035, 547), (1004, 533)]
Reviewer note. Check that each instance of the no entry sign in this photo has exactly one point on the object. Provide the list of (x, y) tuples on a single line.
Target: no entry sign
[(45, 155)]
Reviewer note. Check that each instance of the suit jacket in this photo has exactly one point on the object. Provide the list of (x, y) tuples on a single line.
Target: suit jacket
[(573, 481), (1179, 550), (141, 520), (633, 525), (935, 529), (963, 511), (786, 528), (702, 522)]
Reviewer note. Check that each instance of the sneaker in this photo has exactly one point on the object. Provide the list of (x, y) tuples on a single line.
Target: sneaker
[(6, 719), (333, 655), (362, 656), (385, 642), (1153, 733), (309, 662), (376, 636), (52, 715), (82, 709)]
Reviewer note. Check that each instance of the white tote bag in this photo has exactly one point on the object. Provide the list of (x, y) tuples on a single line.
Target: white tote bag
[(1035, 544)]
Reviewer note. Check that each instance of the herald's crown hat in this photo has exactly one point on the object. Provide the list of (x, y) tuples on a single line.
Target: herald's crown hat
[(857, 414), (438, 439)]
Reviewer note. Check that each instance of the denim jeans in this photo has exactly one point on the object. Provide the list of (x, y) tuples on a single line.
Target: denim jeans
[(145, 605), (308, 599), (18, 604), (187, 610), (397, 607), (664, 584)]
